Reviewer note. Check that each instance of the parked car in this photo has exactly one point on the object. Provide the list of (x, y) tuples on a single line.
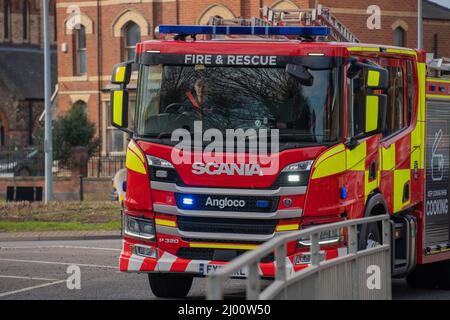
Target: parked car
[(23, 163)]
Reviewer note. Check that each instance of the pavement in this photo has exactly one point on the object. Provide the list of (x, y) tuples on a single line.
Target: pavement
[(39, 270)]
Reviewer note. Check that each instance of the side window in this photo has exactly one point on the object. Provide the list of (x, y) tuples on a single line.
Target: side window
[(356, 96), (395, 117), (411, 91)]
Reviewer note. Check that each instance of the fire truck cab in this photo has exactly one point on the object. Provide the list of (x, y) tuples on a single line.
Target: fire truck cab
[(359, 131)]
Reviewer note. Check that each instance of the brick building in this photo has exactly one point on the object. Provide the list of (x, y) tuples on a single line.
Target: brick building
[(107, 30), (22, 71)]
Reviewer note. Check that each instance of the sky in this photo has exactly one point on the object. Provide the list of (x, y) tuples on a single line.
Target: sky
[(445, 3)]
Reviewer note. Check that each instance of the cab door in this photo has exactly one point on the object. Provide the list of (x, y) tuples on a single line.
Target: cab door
[(362, 147), (397, 168)]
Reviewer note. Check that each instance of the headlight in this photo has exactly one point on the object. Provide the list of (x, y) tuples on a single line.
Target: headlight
[(295, 174), (139, 228), (161, 170), (158, 162), (299, 166), (325, 237)]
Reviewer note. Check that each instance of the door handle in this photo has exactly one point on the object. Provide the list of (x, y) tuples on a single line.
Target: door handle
[(373, 170)]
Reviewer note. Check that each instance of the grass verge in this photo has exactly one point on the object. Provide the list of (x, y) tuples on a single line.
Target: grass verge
[(29, 226), (59, 216)]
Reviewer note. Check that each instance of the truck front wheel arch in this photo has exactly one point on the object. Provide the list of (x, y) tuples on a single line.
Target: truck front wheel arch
[(370, 234)]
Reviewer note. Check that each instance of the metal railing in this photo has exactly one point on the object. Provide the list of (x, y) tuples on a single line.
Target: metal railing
[(345, 277), (106, 166)]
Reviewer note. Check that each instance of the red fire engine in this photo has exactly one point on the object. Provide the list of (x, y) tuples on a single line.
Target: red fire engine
[(361, 131)]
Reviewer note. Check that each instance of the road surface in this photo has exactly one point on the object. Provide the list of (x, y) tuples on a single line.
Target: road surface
[(38, 270)]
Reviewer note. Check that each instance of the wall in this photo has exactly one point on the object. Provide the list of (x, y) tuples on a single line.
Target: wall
[(64, 188)]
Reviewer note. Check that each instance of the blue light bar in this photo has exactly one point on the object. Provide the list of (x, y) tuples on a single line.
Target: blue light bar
[(188, 201), (244, 30)]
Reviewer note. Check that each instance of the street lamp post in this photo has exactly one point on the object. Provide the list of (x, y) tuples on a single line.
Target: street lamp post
[(420, 25), (48, 148)]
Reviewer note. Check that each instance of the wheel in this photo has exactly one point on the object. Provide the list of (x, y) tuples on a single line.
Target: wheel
[(424, 276), (369, 236), (24, 172), (165, 285)]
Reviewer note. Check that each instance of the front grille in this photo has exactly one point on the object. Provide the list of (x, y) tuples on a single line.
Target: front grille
[(222, 225), (211, 254), (207, 202)]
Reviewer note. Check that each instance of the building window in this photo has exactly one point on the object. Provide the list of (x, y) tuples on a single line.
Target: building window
[(436, 45), (25, 19), (80, 104), (6, 16), (399, 37), (132, 36), (80, 50)]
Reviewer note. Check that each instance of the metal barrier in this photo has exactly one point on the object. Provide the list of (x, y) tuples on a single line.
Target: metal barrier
[(345, 277)]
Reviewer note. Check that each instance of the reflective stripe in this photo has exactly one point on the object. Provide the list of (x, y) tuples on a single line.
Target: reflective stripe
[(134, 162), (356, 158), (371, 112), (331, 162), (370, 186), (373, 78), (438, 80), (222, 246), (368, 49), (388, 155), (287, 227), (401, 177), (422, 73), (166, 223), (438, 96), (133, 146), (417, 154), (117, 107), (402, 51)]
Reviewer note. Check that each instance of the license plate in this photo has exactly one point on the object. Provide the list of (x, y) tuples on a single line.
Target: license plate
[(206, 269)]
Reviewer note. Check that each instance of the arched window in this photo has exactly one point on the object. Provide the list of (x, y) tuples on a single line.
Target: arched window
[(25, 19), (6, 17), (399, 37), (80, 104), (80, 50), (132, 35)]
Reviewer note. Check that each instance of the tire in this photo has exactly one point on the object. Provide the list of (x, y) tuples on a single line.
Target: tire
[(424, 277), (166, 285), (369, 236), (24, 172)]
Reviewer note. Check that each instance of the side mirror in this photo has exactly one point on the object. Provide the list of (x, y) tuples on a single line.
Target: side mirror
[(121, 74), (119, 109), (376, 78), (375, 113), (301, 73)]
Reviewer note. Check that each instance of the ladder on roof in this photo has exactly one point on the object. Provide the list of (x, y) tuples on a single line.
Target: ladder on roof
[(321, 16)]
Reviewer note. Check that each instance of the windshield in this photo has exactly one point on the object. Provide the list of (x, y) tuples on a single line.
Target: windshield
[(173, 97)]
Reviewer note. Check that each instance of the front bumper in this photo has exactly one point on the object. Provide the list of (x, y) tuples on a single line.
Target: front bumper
[(166, 262)]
